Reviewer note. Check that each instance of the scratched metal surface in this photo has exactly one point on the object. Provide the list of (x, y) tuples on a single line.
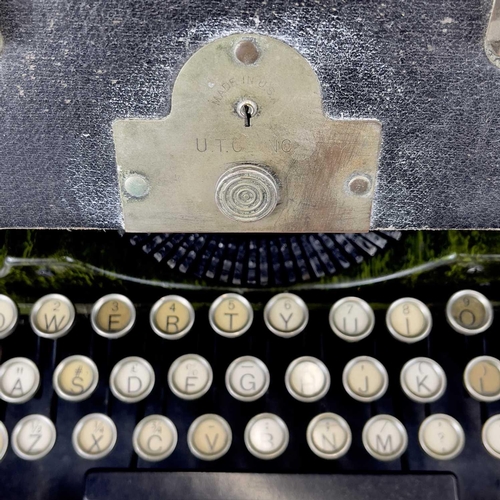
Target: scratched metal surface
[(70, 67)]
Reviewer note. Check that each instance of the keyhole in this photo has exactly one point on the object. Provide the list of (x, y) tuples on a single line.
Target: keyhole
[(248, 115), (247, 110)]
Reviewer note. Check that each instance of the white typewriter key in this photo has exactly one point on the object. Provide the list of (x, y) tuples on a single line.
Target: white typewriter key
[(423, 380), (8, 316), (247, 378), (266, 436), (365, 379), (409, 320), (19, 380), (75, 378), (52, 316), (33, 437), (307, 379), (209, 437), (155, 438), (441, 437), (94, 436), (231, 315), (329, 436), (482, 378), (286, 315), (4, 440), (385, 437), (491, 435), (113, 316), (352, 319), (132, 379), (469, 312), (190, 376), (172, 317)]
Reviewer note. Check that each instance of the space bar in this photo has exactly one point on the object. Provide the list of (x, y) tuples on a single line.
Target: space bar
[(126, 485)]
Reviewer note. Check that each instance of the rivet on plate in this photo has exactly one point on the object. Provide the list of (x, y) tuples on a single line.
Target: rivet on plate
[(136, 186)]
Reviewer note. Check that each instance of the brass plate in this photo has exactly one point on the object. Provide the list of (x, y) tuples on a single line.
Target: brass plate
[(492, 42), (325, 170)]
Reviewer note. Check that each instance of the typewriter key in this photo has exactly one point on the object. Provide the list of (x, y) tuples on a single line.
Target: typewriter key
[(491, 435), (94, 436), (154, 438), (423, 380), (209, 437), (247, 378), (409, 320), (8, 316), (266, 436), (365, 379), (231, 315), (33, 437), (19, 380), (4, 440), (172, 317), (352, 319), (75, 378), (113, 316), (482, 378), (384, 437), (329, 436), (52, 316), (469, 312), (286, 315), (307, 379), (441, 437), (132, 379), (190, 376)]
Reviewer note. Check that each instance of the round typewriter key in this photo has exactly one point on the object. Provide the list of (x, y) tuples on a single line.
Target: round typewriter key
[(365, 379), (190, 376), (469, 312), (75, 378), (441, 437), (352, 319), (385, 437), (113, 316), (307, 379), (423, 380), (33, 437), (491, 435), (8, 316), (286, 315), (482, 378), (94, 436), (155, 438), (172, 317), (247, 378), (231, 315), (409, 320), (329, 436), (19, 380), (209, 437), (132, 379), (266, 436), (4, 440), (52, 316)]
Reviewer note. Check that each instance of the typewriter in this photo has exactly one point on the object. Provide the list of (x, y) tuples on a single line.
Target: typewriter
[(248, 250)]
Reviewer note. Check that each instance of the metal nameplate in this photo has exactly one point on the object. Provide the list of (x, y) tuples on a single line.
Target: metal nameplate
[(247, 147), (492, 41)]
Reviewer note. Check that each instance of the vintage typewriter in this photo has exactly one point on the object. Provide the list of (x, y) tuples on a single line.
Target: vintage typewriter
[(245, 253)]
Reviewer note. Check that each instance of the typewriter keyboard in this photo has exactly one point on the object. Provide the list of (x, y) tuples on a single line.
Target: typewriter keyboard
[(318, 382)]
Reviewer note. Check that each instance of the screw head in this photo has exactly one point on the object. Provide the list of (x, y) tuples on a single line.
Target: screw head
[(359, 185)]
